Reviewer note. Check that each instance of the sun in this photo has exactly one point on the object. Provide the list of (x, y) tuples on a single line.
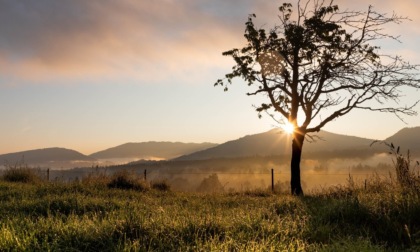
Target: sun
[(288, 128)]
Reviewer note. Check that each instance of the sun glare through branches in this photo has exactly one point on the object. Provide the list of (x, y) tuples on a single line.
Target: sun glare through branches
[(288, 128)]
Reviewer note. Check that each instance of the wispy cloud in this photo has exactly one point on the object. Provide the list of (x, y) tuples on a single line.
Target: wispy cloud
[(145, 40), (45, 38)]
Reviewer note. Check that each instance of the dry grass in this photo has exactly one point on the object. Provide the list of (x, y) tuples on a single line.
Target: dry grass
[(22, 173)]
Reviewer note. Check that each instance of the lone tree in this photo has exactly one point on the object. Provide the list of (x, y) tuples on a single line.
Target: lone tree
[(319, 64)]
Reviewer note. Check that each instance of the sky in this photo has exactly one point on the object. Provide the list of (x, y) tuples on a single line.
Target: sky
[(90, 75)]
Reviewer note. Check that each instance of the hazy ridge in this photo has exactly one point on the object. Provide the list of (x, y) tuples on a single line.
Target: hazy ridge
[(407, 139), (276, 142), (67, 158), (270, 143), (48, 157), (42, 155), (148, 150)]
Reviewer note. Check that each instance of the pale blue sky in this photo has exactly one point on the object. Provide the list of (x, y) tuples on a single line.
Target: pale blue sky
[(89, 75)]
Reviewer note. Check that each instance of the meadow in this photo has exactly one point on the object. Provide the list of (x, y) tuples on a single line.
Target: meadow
[(119, 213)]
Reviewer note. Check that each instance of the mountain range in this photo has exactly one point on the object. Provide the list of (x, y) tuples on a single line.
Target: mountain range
[(407, 139), (48, 157), (47, 154), (151, 150), (270, 143), (276, 142), (323, 144), (66, 158)]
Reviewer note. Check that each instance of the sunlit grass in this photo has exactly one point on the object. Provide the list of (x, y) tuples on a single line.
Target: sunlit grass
[(90, 217)]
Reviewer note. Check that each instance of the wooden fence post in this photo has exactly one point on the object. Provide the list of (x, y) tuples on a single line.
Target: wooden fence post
[(145, 175), (272, 180), (48, 174)]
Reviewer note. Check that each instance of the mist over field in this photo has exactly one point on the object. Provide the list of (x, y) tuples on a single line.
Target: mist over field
[(250, 173), (238, 165), (255, 173)]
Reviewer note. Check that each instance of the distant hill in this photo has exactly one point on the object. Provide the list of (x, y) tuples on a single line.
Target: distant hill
[(276, 142), (45, 156), (151, 150), (270, 143), (407, 139)]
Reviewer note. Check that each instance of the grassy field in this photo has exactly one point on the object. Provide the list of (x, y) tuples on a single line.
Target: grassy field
[(123, 213), (95, 216)]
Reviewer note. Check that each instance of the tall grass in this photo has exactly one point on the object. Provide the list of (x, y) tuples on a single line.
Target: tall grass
[(110, 213), (20, 172), (83, 216), (125, 180), (404, 167)]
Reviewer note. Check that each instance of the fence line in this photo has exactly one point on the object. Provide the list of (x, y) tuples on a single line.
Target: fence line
[(274, 177), (265, 173), (303, 174)]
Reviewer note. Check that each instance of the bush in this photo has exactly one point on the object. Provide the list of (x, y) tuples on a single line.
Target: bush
[(128, 181), (21, 173), (161, 185), (211, 184)]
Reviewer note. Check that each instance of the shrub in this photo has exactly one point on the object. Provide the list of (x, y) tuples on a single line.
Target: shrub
[(161, 185), (128, 181), (21, 173), (211, 184)]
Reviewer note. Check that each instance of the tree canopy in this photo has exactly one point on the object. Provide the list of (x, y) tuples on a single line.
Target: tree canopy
[(319, 63)]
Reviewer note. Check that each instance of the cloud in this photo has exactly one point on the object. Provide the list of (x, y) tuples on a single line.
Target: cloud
[(46, 40), (75, 38)]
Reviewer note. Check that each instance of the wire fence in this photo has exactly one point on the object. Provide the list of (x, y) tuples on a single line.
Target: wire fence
[(268, 180), (185, 180)]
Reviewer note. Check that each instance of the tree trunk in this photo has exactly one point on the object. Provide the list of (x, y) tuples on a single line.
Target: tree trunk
[(297, 145)]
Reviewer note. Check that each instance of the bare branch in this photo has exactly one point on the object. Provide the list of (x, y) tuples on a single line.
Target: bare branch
[(325, 61)]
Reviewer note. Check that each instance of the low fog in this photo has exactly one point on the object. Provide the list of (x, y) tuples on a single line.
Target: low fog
[(244, 174)]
